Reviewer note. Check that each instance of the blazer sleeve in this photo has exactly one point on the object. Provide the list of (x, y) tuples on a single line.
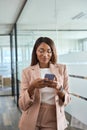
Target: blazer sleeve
[(65, 86), (25, 101)]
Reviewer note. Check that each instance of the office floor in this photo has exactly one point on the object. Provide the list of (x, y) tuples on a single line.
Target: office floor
[(10, 114)]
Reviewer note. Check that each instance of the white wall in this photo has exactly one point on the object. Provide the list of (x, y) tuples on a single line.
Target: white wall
[(77, 66), (75, 57), (78, 107)]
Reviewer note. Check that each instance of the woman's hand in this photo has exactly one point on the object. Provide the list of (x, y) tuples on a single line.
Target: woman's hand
[(61, 93), (38, 83), (50, 83), (54, 84)]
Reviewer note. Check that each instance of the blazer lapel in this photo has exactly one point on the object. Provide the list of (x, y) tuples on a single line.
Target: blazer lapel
[(54, 69), (36, 70)]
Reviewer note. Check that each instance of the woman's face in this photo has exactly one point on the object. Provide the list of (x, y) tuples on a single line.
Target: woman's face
[(44, 54)]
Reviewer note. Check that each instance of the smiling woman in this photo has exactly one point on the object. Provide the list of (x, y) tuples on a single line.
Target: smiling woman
[(41, 101), (66, 24)]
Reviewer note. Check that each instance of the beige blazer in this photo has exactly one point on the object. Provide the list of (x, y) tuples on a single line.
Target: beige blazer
[(30, 107)]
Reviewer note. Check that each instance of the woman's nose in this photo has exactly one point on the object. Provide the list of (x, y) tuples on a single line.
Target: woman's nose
[(45, 54)]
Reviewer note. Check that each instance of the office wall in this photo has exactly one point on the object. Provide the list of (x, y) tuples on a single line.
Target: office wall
[(79, 57), (77, 65)]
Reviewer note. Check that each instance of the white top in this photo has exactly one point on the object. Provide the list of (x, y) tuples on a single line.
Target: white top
[(47, 94)]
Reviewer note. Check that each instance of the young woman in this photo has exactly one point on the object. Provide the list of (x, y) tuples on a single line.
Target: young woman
[(42, 100)]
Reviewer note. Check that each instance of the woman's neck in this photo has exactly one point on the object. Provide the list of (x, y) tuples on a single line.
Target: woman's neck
[(44, 65)]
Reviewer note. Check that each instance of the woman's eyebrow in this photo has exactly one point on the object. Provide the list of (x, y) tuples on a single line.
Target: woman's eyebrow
[(44, 49), (41, 48)]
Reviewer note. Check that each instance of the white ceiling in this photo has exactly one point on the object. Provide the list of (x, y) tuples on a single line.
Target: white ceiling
[(9, 10), (43, 15), (54, 14)]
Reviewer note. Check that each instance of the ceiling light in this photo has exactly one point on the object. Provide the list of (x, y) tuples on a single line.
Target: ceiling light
[(80, 15)]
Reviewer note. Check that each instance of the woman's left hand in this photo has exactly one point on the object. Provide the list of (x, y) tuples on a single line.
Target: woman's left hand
[(51, 83), (54, 84)]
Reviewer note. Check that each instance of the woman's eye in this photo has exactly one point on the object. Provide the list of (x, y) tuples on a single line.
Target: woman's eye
[(49, 51), (41, 51)]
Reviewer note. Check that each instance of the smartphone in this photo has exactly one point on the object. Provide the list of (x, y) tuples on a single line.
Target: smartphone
[(50, 76)]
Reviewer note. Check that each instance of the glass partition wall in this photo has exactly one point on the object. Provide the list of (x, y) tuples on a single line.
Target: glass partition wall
[(5, 66), (71, 50)]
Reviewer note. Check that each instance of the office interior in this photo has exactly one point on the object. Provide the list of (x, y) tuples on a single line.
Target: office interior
[(65, 21)]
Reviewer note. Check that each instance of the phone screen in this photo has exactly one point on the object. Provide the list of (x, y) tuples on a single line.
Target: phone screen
[(50, 76)]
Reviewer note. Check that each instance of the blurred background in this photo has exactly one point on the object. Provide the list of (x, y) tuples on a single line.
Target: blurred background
[(64, 21)]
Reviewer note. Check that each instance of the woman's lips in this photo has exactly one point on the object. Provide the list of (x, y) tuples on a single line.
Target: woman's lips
[(44, 59)]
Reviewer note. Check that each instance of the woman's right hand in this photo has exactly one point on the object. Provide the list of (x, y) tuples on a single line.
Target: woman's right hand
[(38, 83)]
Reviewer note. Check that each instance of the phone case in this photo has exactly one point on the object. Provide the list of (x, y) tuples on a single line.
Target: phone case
[(50, 76)]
